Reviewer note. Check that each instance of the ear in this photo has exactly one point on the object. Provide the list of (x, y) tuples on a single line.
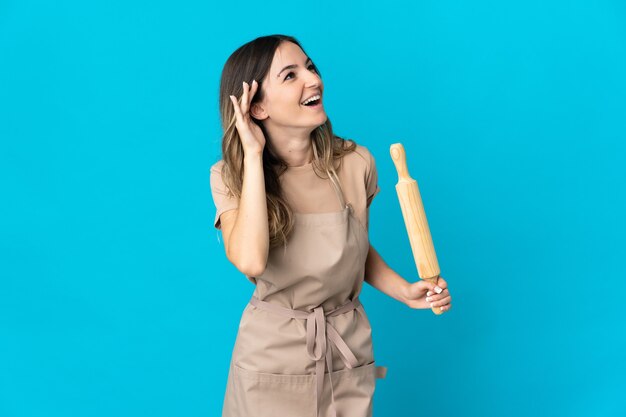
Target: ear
[(258, 112)]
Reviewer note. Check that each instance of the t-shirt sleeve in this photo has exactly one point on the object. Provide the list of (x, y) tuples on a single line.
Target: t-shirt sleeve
[(371, 179), (222, 198)]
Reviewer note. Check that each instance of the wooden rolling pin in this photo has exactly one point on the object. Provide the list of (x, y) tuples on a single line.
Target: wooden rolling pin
[(415, 220)]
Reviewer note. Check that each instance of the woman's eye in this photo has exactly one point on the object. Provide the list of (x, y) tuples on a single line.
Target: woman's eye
[(309, 67)]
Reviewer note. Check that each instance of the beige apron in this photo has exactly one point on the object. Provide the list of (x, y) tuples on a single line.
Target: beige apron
[(304, 345)]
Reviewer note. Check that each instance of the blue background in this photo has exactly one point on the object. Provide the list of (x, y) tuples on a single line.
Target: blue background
[(116, 298)]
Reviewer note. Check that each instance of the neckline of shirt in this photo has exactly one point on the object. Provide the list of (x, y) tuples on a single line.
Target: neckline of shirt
[(299, 168)]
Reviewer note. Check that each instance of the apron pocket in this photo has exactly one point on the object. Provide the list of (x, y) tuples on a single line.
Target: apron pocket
[(263, 394), (354, 390)]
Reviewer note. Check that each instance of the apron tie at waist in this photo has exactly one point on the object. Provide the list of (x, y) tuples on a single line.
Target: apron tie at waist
[(318, 333)]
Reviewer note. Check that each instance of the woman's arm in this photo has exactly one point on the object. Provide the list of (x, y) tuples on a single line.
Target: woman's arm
[(421, 294), (246, 230), (380, 276)]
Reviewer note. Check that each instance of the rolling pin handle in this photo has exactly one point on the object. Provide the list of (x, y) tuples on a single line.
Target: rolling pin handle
[(399, 160)]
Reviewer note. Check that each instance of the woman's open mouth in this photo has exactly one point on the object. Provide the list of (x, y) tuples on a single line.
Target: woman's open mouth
[(315, 103)]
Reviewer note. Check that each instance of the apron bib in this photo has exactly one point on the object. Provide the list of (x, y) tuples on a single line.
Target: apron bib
[(304, 345)]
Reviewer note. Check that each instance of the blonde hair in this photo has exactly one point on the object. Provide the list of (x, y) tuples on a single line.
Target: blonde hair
[(249, 62)]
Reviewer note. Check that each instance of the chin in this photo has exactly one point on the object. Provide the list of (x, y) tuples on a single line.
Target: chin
[(320, 121), (323, 120)]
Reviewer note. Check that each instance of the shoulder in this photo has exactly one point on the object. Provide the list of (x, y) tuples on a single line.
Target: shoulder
[(216, 172), (365, 154), (360, 157), (217, 167), (217, 183)]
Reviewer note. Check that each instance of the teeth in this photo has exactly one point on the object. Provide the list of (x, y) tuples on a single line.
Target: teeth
[(316, 97)]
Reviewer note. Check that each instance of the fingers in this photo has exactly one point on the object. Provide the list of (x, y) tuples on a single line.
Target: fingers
[(237, 109), (242, 107), (435, 292), (442, 302), (436, 297), (244, 98), (248, 95), (253, 87), (418, 288), (439, 287)]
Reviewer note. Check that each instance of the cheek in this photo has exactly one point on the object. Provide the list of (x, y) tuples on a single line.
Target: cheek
[(287, 102)]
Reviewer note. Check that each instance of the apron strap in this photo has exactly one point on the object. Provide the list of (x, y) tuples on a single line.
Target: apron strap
[(334, 179)]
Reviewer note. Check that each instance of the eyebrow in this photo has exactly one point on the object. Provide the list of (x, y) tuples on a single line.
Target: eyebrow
[(292, 66)]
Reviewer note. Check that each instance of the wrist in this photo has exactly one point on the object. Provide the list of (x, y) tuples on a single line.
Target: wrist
[(253, 158), (403, 292)]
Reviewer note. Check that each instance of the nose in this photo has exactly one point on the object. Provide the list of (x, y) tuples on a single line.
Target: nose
[(313, 80)]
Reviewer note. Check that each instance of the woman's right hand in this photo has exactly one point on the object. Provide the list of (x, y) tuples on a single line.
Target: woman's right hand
[(251, 135)]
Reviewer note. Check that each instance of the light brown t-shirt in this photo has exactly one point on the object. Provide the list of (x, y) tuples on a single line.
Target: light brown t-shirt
[(305, 192)]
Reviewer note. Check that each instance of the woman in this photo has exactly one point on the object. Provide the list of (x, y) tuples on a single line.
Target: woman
[(292, 202)]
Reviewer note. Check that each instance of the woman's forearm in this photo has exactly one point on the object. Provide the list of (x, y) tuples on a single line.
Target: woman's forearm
[(380, 276), (248, 245)]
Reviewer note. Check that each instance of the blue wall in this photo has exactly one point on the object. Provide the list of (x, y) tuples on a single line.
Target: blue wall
[(116, 297)]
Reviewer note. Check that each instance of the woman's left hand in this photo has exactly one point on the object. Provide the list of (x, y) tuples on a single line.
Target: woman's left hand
[(423, 294)]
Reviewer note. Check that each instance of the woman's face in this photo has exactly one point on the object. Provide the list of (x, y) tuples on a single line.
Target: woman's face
[(287, 88)]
